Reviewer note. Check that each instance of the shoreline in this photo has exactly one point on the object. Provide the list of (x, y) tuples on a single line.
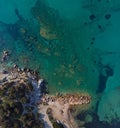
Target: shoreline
[(60, 106)]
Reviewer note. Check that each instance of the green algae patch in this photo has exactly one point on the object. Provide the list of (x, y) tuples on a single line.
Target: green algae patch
[(50, 21)]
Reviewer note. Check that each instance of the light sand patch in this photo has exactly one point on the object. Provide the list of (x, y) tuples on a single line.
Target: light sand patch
[(60, 108)]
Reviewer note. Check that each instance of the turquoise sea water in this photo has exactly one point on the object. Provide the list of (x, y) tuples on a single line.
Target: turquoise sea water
[(75, 45)]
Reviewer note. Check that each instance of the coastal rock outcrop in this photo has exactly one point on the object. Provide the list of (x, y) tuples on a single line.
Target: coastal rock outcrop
[(19, 95)]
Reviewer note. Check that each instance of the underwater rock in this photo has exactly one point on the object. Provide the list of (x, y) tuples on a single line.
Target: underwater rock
[(107, 16), (99, 26), (5, 56), (102, 83), (92, 43), (47, 33), (92, 17), (93, 38), (18, 14), (50, 21)]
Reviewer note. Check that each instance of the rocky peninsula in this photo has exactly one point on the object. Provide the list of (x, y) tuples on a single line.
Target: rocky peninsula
[(59, 107), (24, 97)]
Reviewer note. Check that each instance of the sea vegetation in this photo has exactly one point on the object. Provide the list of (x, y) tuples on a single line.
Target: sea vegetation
[(50, 20), (26, 41), (14, 97), (100, 8), (91, 120)]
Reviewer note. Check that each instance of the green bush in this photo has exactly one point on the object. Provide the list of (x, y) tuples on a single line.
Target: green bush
[(12, 100)]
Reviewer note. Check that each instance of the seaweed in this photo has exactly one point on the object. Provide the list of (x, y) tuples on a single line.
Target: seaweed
[(49, 19)]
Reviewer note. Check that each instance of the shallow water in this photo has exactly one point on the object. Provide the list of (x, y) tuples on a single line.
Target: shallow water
[(79, 50)]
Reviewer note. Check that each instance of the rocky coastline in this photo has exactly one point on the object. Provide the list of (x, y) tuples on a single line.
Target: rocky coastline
[(20, 92), (24, 91), (72, 99)]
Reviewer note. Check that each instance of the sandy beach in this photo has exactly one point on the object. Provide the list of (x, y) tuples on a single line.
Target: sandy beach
[(60, 106)]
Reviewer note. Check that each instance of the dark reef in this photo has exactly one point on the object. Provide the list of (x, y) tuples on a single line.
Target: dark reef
[(92, 17), (96, 123), (105, 72)]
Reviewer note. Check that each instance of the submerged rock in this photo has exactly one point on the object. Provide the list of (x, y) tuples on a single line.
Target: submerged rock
[(52, 24), (107, 16), (92, 17), (105, 73), (5, 56)]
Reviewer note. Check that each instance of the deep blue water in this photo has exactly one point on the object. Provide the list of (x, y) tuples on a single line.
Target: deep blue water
[(75, 45)]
